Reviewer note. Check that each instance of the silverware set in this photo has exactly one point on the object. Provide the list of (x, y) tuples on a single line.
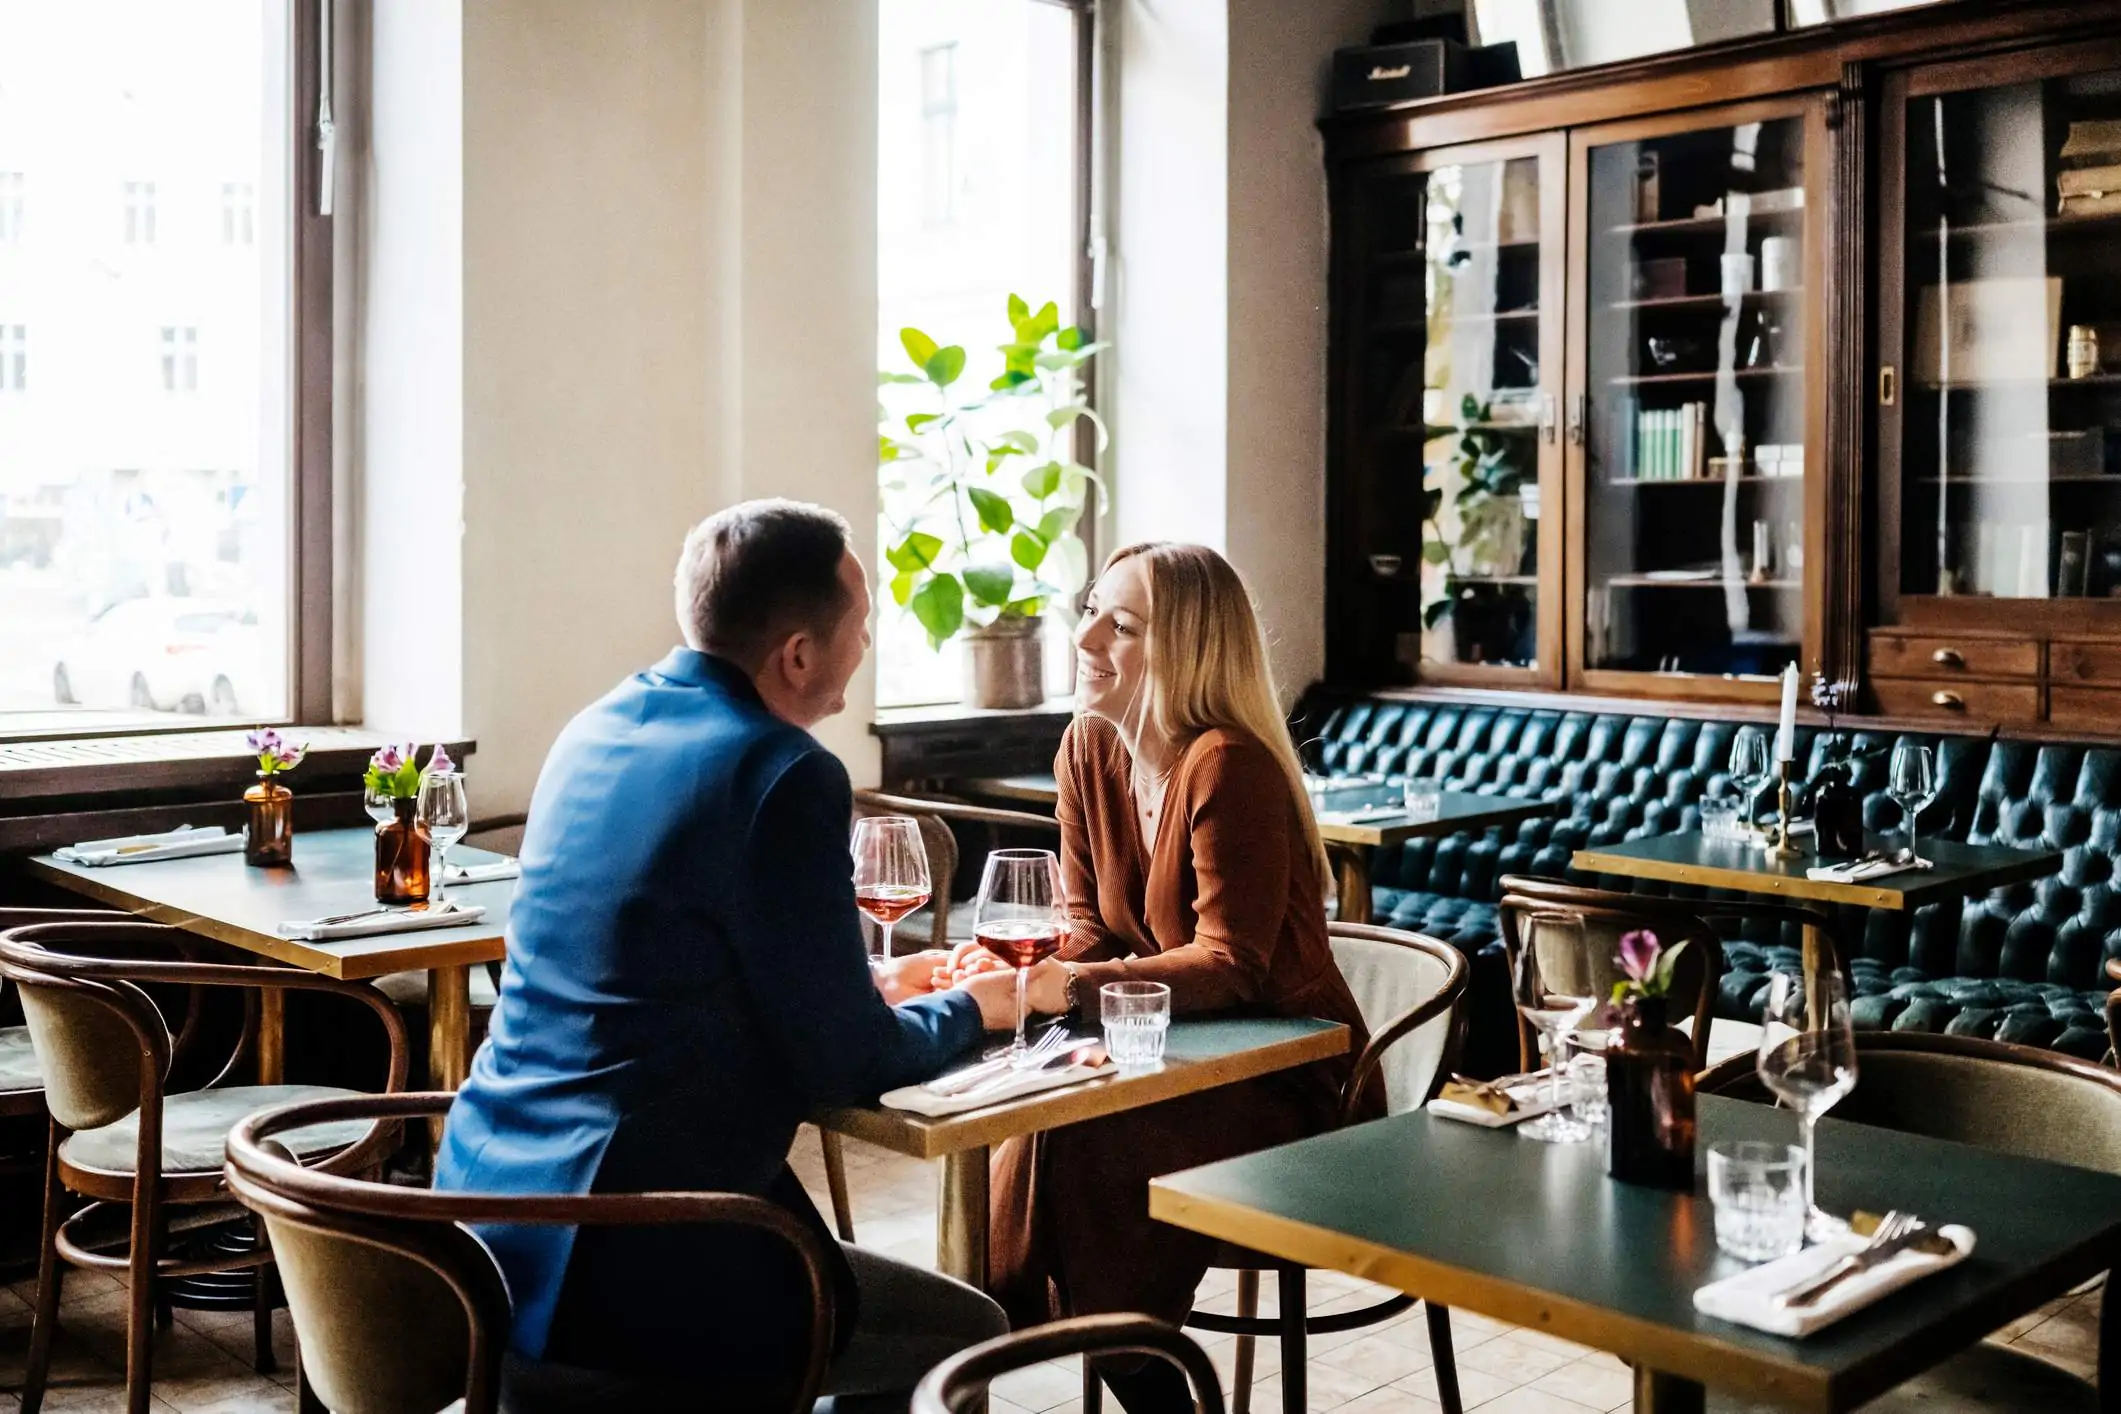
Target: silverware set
[(1056, 1041), (1896, 1233)]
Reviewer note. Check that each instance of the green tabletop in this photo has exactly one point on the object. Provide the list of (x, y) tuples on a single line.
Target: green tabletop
[(1693, 858), (1355, 814), (1536, 1234), (219, 896)]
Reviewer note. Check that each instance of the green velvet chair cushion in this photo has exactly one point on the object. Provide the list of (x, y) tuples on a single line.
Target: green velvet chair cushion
[(195, 1126), (18, 1061)]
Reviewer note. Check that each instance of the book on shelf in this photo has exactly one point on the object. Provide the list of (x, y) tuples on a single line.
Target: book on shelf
[(1671, 444)]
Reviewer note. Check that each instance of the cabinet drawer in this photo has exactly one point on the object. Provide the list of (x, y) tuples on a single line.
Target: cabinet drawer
[(1898, 655), (1958, 700), (2085, 709), (2093, 661)]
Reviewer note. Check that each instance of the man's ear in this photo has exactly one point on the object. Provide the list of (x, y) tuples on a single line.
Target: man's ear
[(798, 655)]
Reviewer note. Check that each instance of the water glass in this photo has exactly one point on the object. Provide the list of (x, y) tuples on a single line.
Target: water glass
[(1758, 1192), (1719, 819), (1587, 1088), (1136, 1016), (1423, 798)]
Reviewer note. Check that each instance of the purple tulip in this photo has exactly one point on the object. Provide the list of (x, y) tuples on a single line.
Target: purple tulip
[(264, 739), (440, 760), (1638, 954), (389, 760), (289, 757)]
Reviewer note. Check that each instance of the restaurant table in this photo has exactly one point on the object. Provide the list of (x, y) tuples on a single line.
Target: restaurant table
[(218, 896), (1537, 1235), (1199, 1054), (1746, 867), (1348, 840)]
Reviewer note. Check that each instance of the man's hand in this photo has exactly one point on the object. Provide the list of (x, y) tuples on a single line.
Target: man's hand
[(963, 961), (1044, 991), (904, 978)]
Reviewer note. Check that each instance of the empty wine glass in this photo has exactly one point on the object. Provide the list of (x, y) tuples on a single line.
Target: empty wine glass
[(1556, 986), (1808, 1059), (378, 804), (444, 812), (1020, 918), (890, 872), (1912, 783), (1749, 767)]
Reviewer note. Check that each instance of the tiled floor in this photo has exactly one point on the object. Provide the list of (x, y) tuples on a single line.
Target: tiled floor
[(203, 1365)]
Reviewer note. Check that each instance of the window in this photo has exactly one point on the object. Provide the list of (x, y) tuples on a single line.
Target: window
[(139, 213), (180, 359), (152, 479), (11, 191), (237, 201), (982, 171)]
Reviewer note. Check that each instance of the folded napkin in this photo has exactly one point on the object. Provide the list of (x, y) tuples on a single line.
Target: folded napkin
[(449, 914), (485, 873), (1859, 871), (1495, 1109), (1745, 1299), (1365, 816), (180, 843), (1009, 1086)]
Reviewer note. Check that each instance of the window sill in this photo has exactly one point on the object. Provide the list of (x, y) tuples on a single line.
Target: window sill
[(932, 746), (893, 720)]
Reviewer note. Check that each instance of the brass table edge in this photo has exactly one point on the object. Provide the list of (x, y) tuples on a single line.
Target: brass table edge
[(1743, 881)]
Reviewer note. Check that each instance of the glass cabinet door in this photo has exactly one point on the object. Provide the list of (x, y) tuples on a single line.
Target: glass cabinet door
[(2008, 434), (1458, 368), (1692, 315)]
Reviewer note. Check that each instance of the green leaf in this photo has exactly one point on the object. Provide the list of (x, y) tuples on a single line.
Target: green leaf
[(1435, 552), (1028, 548), (1010, 379), (1661, 975), (915, 421), (1432, 615), (1045, 322), (940, 606), (916, 552), (919, 347), (1022, 441), (1042, 481), (1018, 310), (944, 365), (1025, 608), (1054, 362), (1469, 409), (408, 781), (990, 584), (1060, 417), (1057, 522), (890, 451), (994, 512), (902, 587), (1070, 338), (883, 378)]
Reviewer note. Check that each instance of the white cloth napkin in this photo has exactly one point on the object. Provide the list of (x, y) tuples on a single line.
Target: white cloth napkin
[(923, 1101), (180, 843), (1745, 1299), (1366, 816), (485, 873), (449, 914), (1534, 1097), (1859, 871)]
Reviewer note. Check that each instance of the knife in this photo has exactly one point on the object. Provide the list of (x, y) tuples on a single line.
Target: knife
[(1869, 1259)]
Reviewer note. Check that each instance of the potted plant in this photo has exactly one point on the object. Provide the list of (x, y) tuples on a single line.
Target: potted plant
[(392, 784), (1649, 1072), (269, 835), (1483, 536), (982, 495)]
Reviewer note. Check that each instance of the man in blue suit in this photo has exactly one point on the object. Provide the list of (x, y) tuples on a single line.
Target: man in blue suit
[(687, 978)]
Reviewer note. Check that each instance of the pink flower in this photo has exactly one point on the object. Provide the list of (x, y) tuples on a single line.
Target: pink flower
[(389, 760), (275, 755), (1638, 954), (440, 760), (264, 739)]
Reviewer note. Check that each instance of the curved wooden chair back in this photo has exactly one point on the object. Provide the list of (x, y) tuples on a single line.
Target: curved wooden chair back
[(1411, 990), (959, 1384), (399, 1307), (22, 1089)]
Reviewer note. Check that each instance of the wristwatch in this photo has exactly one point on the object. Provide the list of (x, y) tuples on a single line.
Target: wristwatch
[(1070, 992)]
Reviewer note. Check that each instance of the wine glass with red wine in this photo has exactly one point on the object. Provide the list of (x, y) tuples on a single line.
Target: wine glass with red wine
[(1020, 918), (890, 871)]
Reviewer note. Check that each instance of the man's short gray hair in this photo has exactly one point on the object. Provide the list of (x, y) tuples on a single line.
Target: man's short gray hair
[(757, 572)]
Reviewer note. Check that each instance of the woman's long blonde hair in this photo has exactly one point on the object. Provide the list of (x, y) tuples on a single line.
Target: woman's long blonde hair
[(1207, 663)]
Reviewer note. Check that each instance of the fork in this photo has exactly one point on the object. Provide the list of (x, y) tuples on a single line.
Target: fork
[(1893, 1226), (973, 1075)]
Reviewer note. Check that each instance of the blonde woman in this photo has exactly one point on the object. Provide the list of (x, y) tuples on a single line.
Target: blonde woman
[(1190, 858)]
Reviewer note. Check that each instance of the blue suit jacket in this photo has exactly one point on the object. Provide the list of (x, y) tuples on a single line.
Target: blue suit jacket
[(686, 978)]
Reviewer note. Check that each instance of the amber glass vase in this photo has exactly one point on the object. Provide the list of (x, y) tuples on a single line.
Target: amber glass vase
[(269, 841), (1649, 1080), (401, 856)]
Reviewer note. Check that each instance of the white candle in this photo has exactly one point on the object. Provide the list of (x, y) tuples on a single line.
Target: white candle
[(1786, 729)]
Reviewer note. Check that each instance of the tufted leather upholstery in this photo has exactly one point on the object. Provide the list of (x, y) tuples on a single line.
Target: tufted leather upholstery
[(2021, 964)]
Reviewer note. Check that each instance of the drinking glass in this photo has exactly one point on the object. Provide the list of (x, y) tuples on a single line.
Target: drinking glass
[(1136, 1016), (1912, 784), (1587, 1086), (1719, 818), (1422, 797), (1020, 918), (1759, 1193), (1750, 754), (1556, 986), (378, 805), (444, 811), (890, 872), (1808, 1059)]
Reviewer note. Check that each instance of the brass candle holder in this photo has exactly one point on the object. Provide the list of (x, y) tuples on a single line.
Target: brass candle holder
[(1779, 845)]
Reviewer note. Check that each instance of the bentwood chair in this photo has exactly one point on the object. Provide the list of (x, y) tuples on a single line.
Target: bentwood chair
[(149, 1159), (21, 1078), (959, 1384), (397, 1307), (1411, 991), (2017, 1100)]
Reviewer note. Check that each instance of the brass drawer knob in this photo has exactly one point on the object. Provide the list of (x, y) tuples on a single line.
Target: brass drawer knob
[(1948, 658), (1951, 701)]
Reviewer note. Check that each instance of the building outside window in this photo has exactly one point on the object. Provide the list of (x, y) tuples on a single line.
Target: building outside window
[(137, 590), (980, 160)]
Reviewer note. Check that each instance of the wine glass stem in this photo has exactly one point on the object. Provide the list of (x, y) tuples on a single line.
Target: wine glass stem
[(1811, 1165), (441, 879), (883, 941), (1556, 1043), (1912, 852), (1017, 1048)]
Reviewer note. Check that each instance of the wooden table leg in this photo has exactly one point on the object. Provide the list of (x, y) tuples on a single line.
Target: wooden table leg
[(1659, 1393), (448, 1031), (1351, 877), (961, 1218), (272, 1036)]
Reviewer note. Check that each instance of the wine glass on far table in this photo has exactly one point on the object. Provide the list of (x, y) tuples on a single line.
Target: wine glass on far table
[(1750, 750), (1808, 1059), (1912, 783), (890, 872), (1556, 986), (1020, 918), (378, 804), (444, 811)]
